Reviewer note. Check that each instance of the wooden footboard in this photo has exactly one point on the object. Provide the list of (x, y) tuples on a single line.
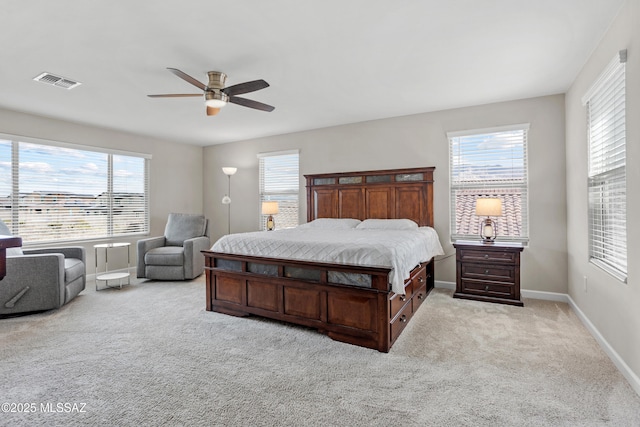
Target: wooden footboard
[(317, 295)]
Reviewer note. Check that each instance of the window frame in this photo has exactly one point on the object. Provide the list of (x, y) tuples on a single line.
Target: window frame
[(15, 195), (606, 169), (273, 196), (488, 187)]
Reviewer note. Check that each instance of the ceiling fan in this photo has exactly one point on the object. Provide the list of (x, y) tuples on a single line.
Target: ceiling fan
[(216, 95)]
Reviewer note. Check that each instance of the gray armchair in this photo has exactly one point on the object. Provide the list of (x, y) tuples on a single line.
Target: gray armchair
[(176, 255), (41, 279)]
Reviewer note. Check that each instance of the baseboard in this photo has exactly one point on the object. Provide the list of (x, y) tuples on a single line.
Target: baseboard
[(624, 369), (619, 363), (547, 296), (445, 285)]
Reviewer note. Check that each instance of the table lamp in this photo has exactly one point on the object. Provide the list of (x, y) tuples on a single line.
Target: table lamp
[(488, 206), (270, 208)]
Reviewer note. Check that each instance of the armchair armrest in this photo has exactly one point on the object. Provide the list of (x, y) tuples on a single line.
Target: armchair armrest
[(67, 251), (43, 273), (194, 260), (144, 246)]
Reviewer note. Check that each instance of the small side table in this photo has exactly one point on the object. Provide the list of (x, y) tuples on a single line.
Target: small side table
[(107, 275), (488, 272)]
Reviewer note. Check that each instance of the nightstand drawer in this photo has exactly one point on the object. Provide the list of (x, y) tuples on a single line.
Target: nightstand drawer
[(479, 256), (489, 289), (488, 272)]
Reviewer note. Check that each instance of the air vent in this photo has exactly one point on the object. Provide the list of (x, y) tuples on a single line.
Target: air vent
[(54, 80)]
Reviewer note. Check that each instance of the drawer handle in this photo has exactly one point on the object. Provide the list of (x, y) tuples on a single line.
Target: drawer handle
[(486, 288), (420, 296), (486, 272), (403, 298), (403, 319), (486, 256), (420, 279)]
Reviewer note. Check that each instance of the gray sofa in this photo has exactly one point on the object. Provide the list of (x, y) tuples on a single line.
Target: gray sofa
[(41, 279), (176, 255)]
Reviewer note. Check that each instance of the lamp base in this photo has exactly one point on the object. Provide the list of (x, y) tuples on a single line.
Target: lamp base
[(271, 224), (488, 231)]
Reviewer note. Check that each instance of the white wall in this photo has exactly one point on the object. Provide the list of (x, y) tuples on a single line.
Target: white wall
[(412, 141), (176, 169), (611, 306)]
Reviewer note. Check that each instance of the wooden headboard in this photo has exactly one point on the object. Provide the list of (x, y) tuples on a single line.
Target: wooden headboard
[(383, 194)]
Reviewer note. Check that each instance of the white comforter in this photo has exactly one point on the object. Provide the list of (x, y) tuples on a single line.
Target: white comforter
[(401, 250)]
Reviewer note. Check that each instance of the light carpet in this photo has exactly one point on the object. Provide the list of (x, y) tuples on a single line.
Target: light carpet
[(149, 354)]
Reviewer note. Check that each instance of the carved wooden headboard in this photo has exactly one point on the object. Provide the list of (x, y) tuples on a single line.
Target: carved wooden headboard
[(384, 194)]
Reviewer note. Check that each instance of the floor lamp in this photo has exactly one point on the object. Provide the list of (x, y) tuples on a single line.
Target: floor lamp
[(226, 200)]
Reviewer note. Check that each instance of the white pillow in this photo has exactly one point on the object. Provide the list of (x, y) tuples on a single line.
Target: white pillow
[(388, 224), (335, 223)]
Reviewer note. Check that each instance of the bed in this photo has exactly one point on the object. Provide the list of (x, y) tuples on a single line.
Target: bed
[(364, 292)]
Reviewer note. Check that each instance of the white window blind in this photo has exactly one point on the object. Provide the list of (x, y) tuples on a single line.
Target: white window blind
[(55, 192), (280, 182), (605, 103), (489, 163)]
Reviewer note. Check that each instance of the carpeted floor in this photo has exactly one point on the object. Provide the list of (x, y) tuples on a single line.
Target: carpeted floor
[(149, 354)]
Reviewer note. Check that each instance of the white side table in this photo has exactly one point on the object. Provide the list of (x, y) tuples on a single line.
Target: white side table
[(107, 275)]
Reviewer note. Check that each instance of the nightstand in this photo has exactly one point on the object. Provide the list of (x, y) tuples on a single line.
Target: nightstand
[(488, 272)]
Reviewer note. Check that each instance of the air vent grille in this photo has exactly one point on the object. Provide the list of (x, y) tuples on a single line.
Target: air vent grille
[(54, 80)]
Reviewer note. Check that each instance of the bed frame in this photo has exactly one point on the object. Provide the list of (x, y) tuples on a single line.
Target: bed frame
[(314, 294)]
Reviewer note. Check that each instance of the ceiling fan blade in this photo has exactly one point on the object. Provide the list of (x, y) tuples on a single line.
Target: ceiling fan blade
[(186, 77), (250, 103), (246, 87), (212, 111), (175, 95)]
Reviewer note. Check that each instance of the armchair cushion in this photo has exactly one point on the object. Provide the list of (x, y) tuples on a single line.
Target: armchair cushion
[(181, 227), (166, 255), (73, 269)]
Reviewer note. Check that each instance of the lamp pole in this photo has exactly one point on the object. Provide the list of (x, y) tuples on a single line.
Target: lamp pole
[(229, 204), (226, 200)]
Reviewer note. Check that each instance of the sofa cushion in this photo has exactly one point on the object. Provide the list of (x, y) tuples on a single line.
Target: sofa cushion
[(181, 227), (166, 255), (73, 268)]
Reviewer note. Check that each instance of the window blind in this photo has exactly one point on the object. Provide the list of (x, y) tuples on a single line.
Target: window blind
[(56, 193), (280, 181), (489, 163), (606, 111)]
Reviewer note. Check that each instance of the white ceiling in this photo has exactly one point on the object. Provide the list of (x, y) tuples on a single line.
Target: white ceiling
[(328, 62)]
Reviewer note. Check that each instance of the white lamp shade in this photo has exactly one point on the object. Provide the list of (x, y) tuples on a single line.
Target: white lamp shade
[(486, 206), (215, 103), (216, 99), (229, 170), (269, 208)]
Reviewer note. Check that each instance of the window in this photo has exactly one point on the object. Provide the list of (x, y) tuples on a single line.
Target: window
[(280, 182), (605, 106), (54, 192), (489, 163)]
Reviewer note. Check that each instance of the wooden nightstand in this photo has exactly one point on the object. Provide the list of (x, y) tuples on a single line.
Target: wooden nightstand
[(488, 272)]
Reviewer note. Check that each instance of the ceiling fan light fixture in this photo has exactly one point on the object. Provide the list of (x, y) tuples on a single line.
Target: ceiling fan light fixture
[(217, 95), (216, 99)]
